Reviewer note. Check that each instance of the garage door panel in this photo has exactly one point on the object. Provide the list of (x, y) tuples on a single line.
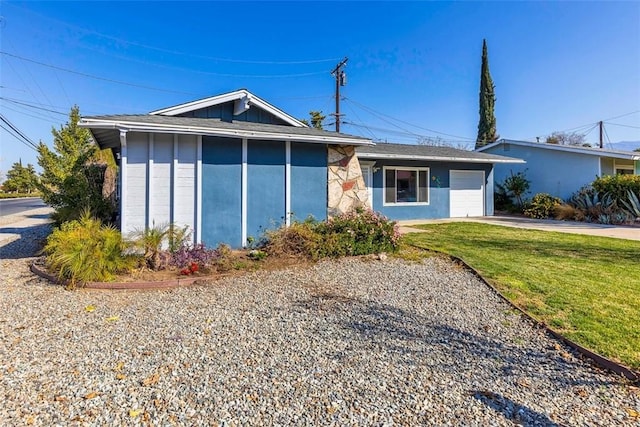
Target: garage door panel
[(466, 193)]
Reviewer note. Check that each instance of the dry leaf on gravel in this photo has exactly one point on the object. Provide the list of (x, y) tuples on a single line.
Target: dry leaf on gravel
[(153, 379)]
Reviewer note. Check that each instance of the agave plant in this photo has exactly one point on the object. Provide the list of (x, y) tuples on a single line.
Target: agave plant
[(632, 204)]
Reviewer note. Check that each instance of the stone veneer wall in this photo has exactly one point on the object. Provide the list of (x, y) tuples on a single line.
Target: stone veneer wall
[(346, 190)]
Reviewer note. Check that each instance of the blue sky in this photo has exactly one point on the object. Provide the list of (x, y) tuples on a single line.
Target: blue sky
[(556, 65)]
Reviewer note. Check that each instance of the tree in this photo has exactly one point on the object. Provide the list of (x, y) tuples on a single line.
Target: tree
[(487, 124), (315, 120), (21, 179), (73, 173), (567, 138)]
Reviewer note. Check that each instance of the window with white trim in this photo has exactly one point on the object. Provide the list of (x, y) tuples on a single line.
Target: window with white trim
[(406, 186)]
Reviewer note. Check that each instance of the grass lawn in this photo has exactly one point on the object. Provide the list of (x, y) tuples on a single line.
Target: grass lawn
[(586, 287)]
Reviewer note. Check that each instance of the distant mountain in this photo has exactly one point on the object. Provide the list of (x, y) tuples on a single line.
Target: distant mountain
[(625, 145)]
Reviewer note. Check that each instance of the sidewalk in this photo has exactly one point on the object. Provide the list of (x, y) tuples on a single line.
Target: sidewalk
[(615, 231), (13, 227)]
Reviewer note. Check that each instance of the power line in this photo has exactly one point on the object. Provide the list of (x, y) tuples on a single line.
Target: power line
[(39, 117), (23, 138), (407, 135), (407, 123), (55, 67), (32, 106), (620, 124), (180, 53)]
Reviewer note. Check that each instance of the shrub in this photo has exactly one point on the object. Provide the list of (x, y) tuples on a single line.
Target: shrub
[(510, 194), (86, 250), (359, 232), (618, 186), (152, 242), (565, 211), (299, 239), (542, 206), (194, 257)]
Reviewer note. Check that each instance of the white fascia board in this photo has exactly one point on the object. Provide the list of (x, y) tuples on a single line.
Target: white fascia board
[(565, 148), (228, 97), (199, 103), (435, 158), (237, 133)]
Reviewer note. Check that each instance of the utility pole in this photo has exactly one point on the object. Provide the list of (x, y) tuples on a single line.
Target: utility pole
[(341, 80), (601, 132)]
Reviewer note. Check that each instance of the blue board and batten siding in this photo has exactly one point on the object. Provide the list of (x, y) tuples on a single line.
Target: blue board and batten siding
[(224, 112), (265, 186), (439, 189), (222, 185), (551, 171), (308, 181), (221, 191)]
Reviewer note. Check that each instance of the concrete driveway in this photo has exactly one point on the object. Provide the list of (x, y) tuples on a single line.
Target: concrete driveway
[(615, 231)]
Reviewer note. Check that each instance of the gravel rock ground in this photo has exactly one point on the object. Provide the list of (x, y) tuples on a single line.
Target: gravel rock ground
[(351, 342)]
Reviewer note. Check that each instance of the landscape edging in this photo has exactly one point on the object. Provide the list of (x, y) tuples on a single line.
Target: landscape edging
[(598, 359), (140, 285)]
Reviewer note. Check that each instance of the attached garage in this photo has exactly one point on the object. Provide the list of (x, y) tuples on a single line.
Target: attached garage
[(408, 182), (466, 193)]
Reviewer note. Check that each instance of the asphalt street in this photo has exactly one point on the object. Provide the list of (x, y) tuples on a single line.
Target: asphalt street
[(17, 206)]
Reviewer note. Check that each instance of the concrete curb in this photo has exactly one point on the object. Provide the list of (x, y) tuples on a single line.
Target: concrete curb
[(598, 359), (141, 285)]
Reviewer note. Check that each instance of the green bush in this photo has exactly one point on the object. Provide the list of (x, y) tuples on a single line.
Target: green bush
[(359, 232), (510, 194), (542, 206), (618, 186), (157, 243), (86, 250)]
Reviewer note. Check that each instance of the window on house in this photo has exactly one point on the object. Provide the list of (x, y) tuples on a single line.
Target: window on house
[(624, 169), (406, 185)]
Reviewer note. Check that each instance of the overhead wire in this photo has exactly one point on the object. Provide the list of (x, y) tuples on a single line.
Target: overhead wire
[(620, 124), (407, 123), (17, 131), (35, 81), (358, 117), (180, 53), (16, 137), (13, 101), (34, 115)]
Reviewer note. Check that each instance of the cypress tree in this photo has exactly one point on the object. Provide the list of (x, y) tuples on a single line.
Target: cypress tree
[(487, 124)]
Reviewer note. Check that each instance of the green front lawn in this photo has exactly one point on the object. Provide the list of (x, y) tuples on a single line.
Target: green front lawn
[(586, 287)]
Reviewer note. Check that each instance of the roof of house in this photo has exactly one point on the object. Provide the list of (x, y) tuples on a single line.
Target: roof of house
[(591, 151), (106, 129), (243, 100), (427, 152)]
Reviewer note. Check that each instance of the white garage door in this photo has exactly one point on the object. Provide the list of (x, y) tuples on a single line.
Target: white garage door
[(466, 193)]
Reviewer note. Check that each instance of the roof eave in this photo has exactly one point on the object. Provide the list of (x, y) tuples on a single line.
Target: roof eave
[(435, 158), (238, 133), (568, 149)]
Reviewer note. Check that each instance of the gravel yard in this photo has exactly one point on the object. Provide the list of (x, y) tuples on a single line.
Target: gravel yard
[(350, 342)]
